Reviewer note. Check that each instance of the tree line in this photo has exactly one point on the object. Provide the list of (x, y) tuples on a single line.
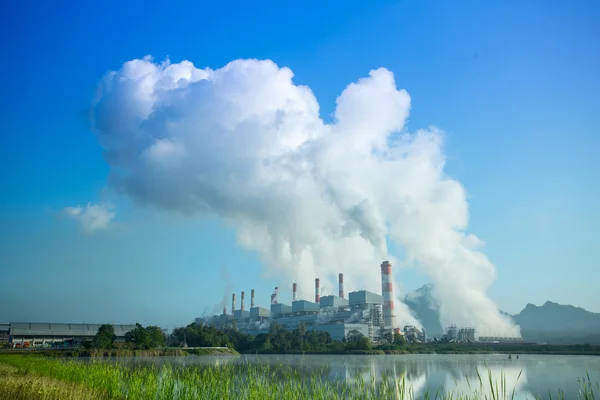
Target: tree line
[(139, 338), (277, 340), (303, 340)]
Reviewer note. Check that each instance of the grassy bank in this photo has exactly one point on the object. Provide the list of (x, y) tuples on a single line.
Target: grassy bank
[(211, 352), (94, 353), (35, 377)]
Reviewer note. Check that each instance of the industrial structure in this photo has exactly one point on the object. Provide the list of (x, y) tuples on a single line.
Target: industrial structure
[(27, 334), (369, 313), (415, 335), (4, 332)]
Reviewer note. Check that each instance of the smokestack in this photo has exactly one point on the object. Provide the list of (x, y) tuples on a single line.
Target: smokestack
[(252, 298), (274, 296), (224, 310), (232, 303), (317, 292), (242, 301), (388, 295), (294, 288), (341, 282)]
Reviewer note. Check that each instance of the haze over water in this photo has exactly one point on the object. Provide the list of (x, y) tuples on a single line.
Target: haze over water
[(540, 374)]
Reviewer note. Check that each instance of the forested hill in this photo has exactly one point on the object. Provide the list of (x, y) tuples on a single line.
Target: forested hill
[(557, 323)]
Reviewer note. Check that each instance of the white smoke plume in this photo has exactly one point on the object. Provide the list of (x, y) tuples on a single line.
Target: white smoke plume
[(312, 198), (227, 291), (91, 217)]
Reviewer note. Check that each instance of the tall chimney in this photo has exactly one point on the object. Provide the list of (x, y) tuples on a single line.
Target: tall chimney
[(252, 298), (317, 292), (294, 289), (341, 282), (387, 291), (242, 301), (224, 310), (232, 303)]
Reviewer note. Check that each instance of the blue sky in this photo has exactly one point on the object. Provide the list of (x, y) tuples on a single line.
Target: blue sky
[(514, 85)]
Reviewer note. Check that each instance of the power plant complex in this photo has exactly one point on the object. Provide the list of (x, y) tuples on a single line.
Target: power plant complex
[(368, 313)]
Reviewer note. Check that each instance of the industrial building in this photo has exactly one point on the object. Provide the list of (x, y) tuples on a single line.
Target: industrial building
[(498, 340), (4, 332), (461, 335), (27, 334), (369, 313), (414, 334)]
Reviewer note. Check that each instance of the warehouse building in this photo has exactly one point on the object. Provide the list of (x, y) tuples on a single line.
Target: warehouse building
[(29, 334)]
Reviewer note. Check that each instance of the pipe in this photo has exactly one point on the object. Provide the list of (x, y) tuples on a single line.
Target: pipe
[(232, 303), (341, 283), (317, 292), (294, 289), (387, 291), (242, 308), (252, 298)]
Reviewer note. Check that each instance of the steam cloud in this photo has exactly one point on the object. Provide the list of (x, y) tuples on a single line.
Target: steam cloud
[(91, 217), (313, 199)]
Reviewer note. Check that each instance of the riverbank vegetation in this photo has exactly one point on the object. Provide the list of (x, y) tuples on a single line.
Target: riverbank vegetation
[(139, 338), (24, 377), (301, 340), (99, 353)]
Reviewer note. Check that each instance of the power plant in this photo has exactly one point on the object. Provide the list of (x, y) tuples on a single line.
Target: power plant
[(369, 313)]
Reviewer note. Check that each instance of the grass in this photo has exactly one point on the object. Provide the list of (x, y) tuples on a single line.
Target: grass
[(36, 377), (18, 386), (166, 352)]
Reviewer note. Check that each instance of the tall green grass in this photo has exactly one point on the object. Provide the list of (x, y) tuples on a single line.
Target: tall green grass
[(232, 381)]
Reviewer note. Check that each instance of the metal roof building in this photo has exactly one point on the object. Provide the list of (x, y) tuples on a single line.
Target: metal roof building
[(46, 334)]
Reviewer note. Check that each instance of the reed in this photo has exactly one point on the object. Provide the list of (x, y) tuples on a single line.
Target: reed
[(29, 377)]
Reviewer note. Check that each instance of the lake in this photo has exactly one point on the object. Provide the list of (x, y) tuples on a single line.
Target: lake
[(538, 373)]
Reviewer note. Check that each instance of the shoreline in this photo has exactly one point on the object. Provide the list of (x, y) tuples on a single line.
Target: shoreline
[(98, 353), (184, 352)]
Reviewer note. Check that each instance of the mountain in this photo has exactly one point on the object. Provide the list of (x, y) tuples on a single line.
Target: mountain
[(550, 323), (426, 309), (557, 323)]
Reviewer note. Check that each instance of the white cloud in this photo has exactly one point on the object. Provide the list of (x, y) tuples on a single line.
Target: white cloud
[(91, 217), (313, 199)]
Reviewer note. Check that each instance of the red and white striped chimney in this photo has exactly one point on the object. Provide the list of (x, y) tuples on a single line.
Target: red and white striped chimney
[(242, 301), (252, 298), (294, 290), (341, 282), (317, 292), (387, 291), (232, 303)]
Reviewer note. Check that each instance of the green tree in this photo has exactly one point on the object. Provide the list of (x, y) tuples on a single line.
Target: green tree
[(157, 337), (357, 341), (139, 337), (399, 340), (105, 337)]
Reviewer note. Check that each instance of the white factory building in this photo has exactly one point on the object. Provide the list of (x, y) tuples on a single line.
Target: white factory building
[(369, 313)]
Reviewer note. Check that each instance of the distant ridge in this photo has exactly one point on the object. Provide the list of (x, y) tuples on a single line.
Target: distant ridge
[(560, 324), (550, 323)]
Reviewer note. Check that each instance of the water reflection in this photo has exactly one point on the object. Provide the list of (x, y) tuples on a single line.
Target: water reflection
[(527, 376)]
